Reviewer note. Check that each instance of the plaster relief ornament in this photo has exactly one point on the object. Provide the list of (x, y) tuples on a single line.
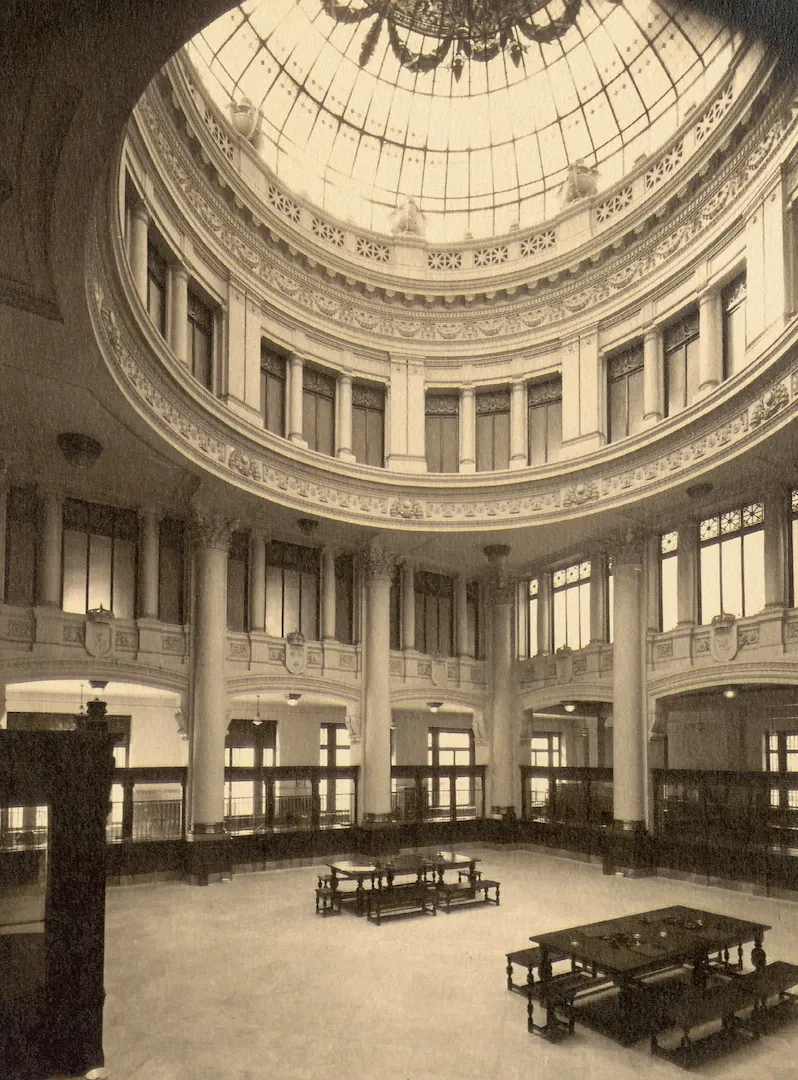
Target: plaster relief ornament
[(408, 220), (296, 658), (580, 183), (99, 636), (723, 638), (246, 119)]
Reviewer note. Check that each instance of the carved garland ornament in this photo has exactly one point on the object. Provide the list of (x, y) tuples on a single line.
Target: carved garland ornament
[(292, 282)]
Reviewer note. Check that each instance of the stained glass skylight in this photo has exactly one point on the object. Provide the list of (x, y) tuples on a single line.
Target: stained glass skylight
[(480, 153)]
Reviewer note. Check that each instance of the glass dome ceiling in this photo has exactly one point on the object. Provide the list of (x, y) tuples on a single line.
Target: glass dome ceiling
[(480, 150)]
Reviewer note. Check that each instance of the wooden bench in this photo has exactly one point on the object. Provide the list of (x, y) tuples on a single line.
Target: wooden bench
[(557, 996), (401, 900), (467, 892), (698, 1007), (328, 901), (775, 980), (530, 959)]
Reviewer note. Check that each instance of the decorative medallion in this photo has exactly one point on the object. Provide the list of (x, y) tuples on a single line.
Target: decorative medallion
[(99, 638), (296, 658), (723, 638)]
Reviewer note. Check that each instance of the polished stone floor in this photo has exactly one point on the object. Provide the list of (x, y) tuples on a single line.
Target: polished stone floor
[(242, 981)]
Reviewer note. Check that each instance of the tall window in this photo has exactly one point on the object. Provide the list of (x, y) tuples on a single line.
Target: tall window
[(734, 334), (493, 430), (732, 554), (527, 618), (395, 609), (544, 402), (248, 745), (156, 288), (199, 340), (781, 756), (22, 511), (441, 432), (472, 619), (434, 613), (345, 606), (681, 363), (668, 582), (446, 747), (794, 545), (171, 571), (318, 410), (546, 749), (625, 393), (368, 424), (238, 582), (272, 390), (571, 595), (99, 558), (292, 590), (336, 794)]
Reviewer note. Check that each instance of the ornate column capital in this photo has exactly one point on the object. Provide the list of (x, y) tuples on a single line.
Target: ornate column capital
[(379, 563), (212, 529)]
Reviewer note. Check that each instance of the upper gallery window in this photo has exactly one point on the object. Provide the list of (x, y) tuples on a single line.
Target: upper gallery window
[(368, 423), (571, 596), (493, 430), (272, 390), (22, 510), (172, 571), (434, 595), (544, 401), (99, 564), (732, 557), (292, 590), (681, 363), (734, 333), (668, 581), (238, 582), (156, 288), (318, 410), (527, 618), (625, 393), (199, 340), (794, 547), (442, 432)]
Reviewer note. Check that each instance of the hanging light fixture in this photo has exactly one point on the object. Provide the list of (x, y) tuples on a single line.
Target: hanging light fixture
[(434, 706), (569, 706), (473, 31), (292, 699), (82, 707), (730, 692), (257, 719)]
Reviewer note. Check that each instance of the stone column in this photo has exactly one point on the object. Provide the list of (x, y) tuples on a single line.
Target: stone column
[(710, 342), (653, 375), (408, 607), (468, 431), (139, 227), (629, 719), (687, 574), (257, 582), (777, 523), (653, 584), (48, 571), (149, 559), (518, 422), (328, 593), (501, 590), (212, 535), (377, 720), (343, 419), (178, 312), (295, 369), (545, 628), (599, 588), (461, 614)]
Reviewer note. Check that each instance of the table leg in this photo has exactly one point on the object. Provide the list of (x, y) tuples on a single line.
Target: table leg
[(758, 957), (472, 872), (360, 896)]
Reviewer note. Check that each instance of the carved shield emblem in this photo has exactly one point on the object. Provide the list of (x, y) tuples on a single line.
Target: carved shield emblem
[(723, 641), (99, 632), (438, 674), (296, 658), (565, 664)]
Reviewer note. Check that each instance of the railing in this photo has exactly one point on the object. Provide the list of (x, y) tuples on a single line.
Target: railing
[(284, 798), (568, 796), (148, 804), (446, 793)]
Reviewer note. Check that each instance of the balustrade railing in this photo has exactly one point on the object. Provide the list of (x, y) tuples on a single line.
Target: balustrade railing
[(284, 798), (445, 793), (148, 803), (566, 795)]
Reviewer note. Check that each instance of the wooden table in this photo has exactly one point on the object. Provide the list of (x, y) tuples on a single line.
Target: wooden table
[(631, 948), (381, 873)]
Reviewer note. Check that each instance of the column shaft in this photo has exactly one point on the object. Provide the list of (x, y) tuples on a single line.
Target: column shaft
[(343, 419), (257, 582), (295, 424), (408, 607), (48, 576), (776, 548), (503, 734), (3, 530), (149, 558), (328, 594), (178, 312), (599, 574), (139, 227), (629, 727), (710, 342), (468, 431), (209, 721), (461, 614), (518, 421), (377, 742), (653, 375)]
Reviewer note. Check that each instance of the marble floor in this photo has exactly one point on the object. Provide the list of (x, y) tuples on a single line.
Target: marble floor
[(242, 981)]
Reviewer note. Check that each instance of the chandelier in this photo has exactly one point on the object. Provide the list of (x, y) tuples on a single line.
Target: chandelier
[(472, 29)]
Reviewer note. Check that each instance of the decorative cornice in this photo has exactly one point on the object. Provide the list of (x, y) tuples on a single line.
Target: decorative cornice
[(291, 280)]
